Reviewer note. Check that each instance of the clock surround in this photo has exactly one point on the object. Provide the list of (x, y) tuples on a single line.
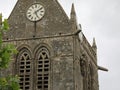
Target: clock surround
[(35, 12)]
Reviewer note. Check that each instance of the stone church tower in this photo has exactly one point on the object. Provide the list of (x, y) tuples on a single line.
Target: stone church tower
[(53, 53)]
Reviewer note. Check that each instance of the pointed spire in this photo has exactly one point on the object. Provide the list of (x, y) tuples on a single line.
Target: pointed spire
[(94, 43), (94, 46), (73, 13), (73, 9)]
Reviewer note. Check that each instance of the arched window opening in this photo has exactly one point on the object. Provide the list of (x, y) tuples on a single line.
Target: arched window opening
[(43, 66), (24, 69)]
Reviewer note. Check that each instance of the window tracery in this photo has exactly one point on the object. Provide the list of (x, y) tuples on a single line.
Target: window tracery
[(43, 66), (24, 69)]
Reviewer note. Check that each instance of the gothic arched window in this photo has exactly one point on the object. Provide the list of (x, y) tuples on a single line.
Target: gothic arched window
[(42, 66), (24, 68)]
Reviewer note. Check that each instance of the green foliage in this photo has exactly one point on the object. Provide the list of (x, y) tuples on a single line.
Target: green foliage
[(5, 55), (5, 25), (6, 52), (9, 83)]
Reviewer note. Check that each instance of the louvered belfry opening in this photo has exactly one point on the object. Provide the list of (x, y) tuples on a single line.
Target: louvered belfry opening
[(43, 64), (33, 71), (24, 69)]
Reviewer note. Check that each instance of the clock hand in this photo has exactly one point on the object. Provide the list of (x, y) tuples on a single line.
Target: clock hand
[(36, 14), (38, 9)]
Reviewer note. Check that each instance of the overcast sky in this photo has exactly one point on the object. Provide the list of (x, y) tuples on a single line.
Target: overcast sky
[(99, 19)]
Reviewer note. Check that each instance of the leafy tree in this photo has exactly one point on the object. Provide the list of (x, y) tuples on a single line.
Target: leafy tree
[(6, 51)]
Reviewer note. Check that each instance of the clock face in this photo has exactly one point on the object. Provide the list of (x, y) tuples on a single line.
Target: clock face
[(35, 12)]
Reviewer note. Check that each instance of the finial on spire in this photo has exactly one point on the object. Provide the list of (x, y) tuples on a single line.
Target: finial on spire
[(73, 9), (94, 46), (73, 13), (94, 43)]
